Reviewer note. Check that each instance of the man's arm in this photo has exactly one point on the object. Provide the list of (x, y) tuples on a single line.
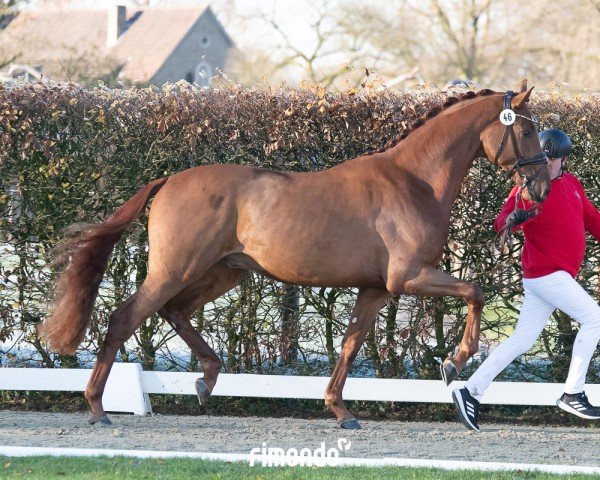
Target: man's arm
[(518, 217), (591, 216), (507, 208)]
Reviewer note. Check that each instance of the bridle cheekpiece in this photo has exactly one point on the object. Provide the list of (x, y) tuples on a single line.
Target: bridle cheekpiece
[(508, 117)]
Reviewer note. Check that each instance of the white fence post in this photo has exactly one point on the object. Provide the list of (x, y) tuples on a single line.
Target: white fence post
[(124, 391)]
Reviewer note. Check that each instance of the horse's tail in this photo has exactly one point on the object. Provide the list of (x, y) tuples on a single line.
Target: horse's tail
[(82, 259)]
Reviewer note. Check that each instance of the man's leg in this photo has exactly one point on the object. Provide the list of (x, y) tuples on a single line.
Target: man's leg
[(570, 297), (532, 319)]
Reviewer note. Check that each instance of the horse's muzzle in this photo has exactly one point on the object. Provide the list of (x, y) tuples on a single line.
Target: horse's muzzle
[(538, 195)]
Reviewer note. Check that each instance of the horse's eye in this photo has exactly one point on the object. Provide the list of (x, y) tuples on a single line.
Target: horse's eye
[(527, 133)]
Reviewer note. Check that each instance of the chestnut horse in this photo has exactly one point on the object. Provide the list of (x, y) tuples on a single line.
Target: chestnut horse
[(378, 223)]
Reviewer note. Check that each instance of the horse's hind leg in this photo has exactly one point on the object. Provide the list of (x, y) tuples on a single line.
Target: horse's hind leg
[(368, 304), (178, 311), (123, 322), (209, 360)]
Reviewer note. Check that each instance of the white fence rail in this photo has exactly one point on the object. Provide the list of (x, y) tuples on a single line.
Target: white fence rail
[(128, 387)]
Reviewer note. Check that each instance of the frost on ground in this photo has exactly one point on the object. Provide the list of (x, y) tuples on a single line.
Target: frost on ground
[(377, 439)]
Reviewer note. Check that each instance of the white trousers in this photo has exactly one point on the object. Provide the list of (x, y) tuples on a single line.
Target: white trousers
[(542, 296)]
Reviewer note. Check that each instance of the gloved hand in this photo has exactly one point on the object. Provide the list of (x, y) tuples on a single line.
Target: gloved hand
[(519, 216)]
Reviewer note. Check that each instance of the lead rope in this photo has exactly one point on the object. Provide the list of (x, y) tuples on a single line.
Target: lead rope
[(504, 235)]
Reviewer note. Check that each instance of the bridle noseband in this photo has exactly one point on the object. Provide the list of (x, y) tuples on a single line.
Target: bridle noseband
[(538, 159)]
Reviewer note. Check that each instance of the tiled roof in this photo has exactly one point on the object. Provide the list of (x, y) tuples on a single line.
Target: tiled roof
[(51, 37)]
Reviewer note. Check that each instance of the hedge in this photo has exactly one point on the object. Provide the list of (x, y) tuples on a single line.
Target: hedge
[(69, 153)]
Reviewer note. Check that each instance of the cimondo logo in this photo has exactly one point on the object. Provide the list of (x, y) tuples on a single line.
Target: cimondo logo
[(268, 456)]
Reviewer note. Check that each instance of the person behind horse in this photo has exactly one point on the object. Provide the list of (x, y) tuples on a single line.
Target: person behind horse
[(552, 255)]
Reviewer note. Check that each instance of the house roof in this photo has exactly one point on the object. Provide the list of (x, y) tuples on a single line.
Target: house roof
[(50, 37)]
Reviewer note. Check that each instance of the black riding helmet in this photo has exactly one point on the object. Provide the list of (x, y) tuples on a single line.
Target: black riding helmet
[(555, 143)]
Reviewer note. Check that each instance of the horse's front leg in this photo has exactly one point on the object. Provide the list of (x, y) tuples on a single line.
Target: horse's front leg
[(430, 282), (368, 304)]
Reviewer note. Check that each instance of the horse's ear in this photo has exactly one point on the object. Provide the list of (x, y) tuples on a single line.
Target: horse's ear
[(522, 87), (521, 98)]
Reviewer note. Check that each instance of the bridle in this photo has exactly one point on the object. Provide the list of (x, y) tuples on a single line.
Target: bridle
[(539, 159)]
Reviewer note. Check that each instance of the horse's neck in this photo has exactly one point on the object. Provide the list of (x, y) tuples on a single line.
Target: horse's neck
[(442, 150)]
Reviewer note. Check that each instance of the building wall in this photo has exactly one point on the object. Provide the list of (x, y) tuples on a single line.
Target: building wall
[(205, 45)]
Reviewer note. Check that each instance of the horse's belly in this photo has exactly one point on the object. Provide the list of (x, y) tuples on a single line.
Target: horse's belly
[(310, 270)]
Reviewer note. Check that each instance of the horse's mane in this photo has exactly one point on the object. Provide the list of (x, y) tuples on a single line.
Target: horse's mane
[(432, 112)]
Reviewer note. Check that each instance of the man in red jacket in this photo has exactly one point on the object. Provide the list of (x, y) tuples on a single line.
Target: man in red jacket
[(553, 251)]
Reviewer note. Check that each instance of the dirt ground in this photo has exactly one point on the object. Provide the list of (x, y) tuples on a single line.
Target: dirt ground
[(377, 439)]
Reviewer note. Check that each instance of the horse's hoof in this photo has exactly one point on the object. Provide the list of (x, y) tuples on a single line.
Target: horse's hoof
[(448, 371), (104, 420), (202, 391), (350, 424)]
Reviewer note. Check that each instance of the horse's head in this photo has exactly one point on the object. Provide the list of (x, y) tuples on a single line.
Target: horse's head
[(511, 141)]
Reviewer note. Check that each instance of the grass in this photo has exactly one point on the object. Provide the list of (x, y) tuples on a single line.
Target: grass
[(46, 468)]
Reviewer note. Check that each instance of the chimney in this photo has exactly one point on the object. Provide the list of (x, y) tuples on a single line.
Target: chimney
[(116, 24)]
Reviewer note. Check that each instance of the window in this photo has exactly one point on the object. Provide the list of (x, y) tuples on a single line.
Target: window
[(203, 74)]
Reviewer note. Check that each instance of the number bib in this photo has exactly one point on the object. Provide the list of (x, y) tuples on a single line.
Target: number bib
[(507, 117)]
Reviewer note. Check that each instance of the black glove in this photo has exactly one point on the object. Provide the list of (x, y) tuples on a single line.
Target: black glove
[(516, 217), (519, 216)]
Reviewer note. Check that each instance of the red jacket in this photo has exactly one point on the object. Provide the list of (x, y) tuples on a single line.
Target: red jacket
[(555, 238)]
